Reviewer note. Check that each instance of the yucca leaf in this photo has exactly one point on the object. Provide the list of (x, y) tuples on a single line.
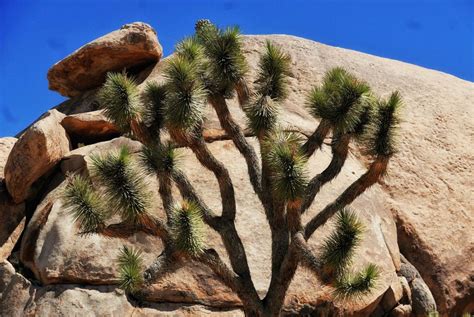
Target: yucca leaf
[(274, 68), (339, 247), (84, 204), (130, 266), (287, 163), (186, 97), (190, 49), (123, 183), (340, 100), (120, 100), (354, 286), (188, 228), (382, 132), (262, 114), (154, 100), (227, 65), (159, 158)]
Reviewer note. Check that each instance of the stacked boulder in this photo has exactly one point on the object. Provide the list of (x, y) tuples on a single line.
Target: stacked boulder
[(38, 236)]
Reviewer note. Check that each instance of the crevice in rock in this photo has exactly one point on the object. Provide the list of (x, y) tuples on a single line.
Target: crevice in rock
[(416, 254)]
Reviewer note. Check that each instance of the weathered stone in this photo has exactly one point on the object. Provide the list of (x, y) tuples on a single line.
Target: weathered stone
[(6, 273), (422, 300), (12, 223), (133, 45), (401, 311), (393, 294), (16, 296), (89, 127), (6, 145), (34, 154), (429, 189)]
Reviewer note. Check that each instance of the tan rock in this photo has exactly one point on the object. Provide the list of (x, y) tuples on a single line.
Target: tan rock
[(12, 223), (16, 296), (89, 127), (393, 295), (134, 45), (6, 273), (401, 311), (35, 154), (6, 145), (429, 188)]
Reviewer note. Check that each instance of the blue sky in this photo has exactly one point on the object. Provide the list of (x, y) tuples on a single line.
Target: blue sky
[(34, 34)]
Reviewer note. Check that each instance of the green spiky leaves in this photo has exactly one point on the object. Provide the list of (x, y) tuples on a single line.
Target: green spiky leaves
[(381, 138), (262, 115), (186, 96), (288, 165), (120, 100), (340, 100), (154, 101), (161, 158), (188, 228), (355, 285), (130, 266), (123, 184), (338, 249), (190, 49), (84, 204), (274, 68), (227, 65)]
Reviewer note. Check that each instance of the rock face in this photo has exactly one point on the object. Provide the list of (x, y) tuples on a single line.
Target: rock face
[(6, 145), (89, 127), (133, 45), (428, 193), (34, 154)]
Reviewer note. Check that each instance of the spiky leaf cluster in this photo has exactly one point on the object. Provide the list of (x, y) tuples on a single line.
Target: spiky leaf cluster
[(205, 30), (349, 285), (288, 165), (226, 67), (120, 100), (339, 247), (382, 134), (123, 184), (190, 49), (84, 204), (188, 228), (160, 158), (186, 96), (154, 101), (262, 114), (130, 265), (274, 68), (340, 100)]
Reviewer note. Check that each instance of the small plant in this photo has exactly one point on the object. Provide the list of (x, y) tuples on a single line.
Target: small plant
[(210, 67)]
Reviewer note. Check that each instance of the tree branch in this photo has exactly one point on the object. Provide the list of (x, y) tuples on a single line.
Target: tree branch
[(340, 149), (238, 137), (373, 174), (315, 141)]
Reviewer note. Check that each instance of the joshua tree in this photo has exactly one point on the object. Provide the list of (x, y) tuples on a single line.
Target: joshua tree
[(210, 68)]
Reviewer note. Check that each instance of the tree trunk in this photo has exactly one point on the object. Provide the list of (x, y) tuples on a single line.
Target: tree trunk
[(315, 141)]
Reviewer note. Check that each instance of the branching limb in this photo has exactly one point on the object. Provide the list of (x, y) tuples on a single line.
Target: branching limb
[(165, 263), (238, 137), (340, 149), (375, 171), (188, 192), (316, 139)]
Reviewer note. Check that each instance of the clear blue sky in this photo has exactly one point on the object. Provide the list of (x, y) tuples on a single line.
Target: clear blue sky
[(35, 34)]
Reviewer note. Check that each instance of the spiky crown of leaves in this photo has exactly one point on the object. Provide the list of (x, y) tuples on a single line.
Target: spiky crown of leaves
[(383, 129), (130, 266), (120, 100), (340, 99), (188, 228), (159, 159), (282, 152), (123, 184)]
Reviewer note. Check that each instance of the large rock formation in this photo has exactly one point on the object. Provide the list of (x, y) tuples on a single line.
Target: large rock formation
[(427, 194), (135, 45), (34, 154)]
